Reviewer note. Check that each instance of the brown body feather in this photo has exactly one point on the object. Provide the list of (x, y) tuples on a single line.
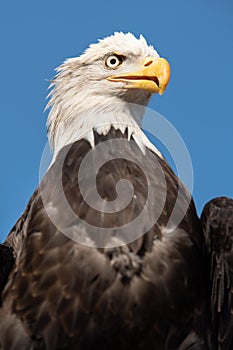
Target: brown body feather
[(146, 294)]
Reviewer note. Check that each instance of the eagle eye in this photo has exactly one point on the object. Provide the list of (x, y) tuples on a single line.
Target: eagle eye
[(113, 61)]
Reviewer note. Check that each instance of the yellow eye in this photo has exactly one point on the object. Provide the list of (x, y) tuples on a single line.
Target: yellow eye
[(113, 61)]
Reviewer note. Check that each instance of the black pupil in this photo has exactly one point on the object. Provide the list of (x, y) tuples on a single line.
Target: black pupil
[(113, 61)]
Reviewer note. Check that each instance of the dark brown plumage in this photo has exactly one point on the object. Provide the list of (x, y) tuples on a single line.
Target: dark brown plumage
[(217, 220), (147, 294)]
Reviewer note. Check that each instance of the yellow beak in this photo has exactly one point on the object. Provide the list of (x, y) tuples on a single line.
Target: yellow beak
[(153, 77)]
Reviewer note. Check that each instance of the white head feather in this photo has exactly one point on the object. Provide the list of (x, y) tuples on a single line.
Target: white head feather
[(83, 100)]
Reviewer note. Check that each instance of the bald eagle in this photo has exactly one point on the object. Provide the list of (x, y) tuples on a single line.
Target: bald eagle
[(110, 253)]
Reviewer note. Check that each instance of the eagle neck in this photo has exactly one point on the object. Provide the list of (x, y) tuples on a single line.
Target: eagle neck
[(83, 126)]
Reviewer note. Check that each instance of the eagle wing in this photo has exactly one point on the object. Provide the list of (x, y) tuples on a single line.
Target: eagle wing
[(217, 221)]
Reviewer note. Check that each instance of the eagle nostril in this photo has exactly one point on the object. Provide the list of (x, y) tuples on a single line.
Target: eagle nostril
[(148, 63)]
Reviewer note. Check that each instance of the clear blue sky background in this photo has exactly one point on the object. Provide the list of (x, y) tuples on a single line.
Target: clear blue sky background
[(195, 36)]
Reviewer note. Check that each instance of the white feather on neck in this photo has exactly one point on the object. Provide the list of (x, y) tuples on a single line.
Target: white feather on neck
[(83, 125)]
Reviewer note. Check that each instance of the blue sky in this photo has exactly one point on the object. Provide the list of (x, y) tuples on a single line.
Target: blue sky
[(196, 38)]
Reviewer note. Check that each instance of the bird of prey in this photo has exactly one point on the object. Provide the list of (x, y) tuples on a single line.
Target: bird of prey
[(110, 253)]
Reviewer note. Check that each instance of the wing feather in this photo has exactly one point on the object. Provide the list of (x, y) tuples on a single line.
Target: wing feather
[(217, 220)]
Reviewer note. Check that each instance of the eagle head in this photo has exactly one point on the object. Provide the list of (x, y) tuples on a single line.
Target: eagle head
[(94, 91)]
